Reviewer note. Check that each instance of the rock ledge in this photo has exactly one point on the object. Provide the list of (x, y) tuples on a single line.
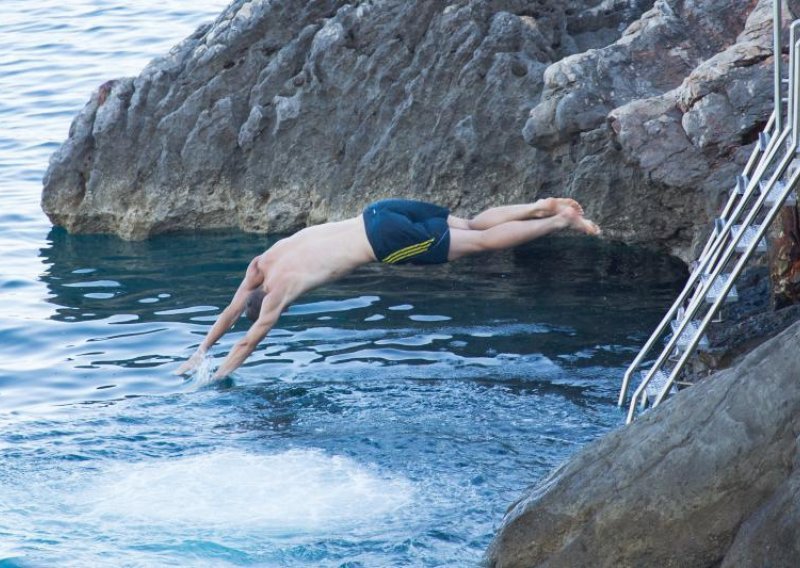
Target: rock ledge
[(710, 478)]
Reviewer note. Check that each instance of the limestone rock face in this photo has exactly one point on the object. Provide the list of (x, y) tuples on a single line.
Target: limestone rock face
[(659, 122), (283, 114), (710, 478)]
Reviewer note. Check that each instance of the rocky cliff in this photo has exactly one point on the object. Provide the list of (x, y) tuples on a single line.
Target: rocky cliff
[(282, 114), (710, 478)]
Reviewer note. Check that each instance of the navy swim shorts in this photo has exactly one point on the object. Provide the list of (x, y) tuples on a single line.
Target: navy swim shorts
[(404, 231)]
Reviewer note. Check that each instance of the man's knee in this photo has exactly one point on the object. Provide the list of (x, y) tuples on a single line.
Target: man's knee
[(457, 222), (464, 242)]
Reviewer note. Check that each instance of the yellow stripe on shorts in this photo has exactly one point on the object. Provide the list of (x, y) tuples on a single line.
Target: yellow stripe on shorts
[(408, 251)]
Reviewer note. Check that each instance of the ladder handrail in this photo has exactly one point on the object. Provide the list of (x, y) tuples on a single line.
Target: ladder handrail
[(773, 213), (722, 243), (695, 275), (789, 157), (793, 95), (752, 186), (752, 161), (777, 23), (792, 109), (697, 301), (714, 244)]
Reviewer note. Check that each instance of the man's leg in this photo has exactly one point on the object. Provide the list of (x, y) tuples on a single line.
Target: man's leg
[(514, 233), (503, 214)]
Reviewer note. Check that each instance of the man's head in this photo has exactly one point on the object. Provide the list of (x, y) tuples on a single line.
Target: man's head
[(252, 307)]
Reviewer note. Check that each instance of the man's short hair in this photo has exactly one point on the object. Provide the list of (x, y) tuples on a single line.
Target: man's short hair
[(252, 307)]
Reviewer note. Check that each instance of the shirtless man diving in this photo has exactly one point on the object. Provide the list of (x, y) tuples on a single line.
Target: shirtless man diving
[(392, 231)]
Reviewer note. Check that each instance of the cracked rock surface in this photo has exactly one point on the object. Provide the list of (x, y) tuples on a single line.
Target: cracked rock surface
[(709, 478), (284, 114)]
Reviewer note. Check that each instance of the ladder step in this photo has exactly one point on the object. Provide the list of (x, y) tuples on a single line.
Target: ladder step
[(656, 384), (749, 236), (793, 168), (775, 194), (763, 141), (689, 332), (716, 289), (741, 183), (719, 225)]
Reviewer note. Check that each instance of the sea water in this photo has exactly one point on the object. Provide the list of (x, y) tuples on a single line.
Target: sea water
[(389, 419)]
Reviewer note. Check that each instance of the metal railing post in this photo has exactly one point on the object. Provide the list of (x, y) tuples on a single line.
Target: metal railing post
[(777, 22), (794, 99), (792, 107)]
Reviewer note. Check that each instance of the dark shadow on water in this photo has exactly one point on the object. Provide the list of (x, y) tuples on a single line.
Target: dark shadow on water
[(105, 276), (99, 276)]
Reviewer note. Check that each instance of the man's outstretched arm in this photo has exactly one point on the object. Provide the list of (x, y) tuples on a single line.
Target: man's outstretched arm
[(271, 309), (226, 319)]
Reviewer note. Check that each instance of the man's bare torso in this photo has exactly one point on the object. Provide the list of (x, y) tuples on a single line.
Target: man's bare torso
[(315, 255)]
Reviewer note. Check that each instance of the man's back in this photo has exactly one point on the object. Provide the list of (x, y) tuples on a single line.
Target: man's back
[(315, 255)]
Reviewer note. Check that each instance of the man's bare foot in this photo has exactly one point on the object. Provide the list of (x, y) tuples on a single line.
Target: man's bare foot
[(564, 202), (576, 221), (554, 205)]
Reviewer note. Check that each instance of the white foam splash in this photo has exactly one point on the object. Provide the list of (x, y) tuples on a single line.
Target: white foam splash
[(297, 491), (204, 375)]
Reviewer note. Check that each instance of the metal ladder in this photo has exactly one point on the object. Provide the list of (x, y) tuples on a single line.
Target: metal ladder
[(767, 183)]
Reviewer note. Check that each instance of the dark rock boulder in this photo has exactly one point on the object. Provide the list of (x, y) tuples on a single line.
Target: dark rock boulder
[(283, 114), (771, 536), (710, 477)]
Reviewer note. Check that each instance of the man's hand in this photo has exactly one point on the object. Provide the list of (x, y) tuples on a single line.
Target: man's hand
[(252, 279), (190, 366)]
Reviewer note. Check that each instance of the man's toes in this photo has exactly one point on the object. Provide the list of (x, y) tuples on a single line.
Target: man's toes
[(577, 206), (592, 228), (569, 202)]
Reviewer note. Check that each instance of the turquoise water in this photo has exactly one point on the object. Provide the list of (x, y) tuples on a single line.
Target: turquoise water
[(389, 420)]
